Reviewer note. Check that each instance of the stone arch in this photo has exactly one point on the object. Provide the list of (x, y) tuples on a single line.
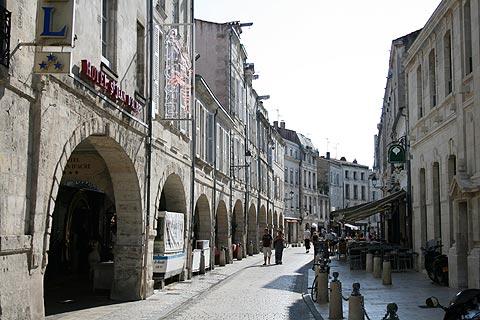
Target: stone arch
[(117, 150), (202, 225), (172, 197), (238, 224), (252, 226), (262, 221), (222, 226)]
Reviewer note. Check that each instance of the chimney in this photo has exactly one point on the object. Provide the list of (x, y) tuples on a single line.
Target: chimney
[(282, 124), (328, 154), (275, 124)]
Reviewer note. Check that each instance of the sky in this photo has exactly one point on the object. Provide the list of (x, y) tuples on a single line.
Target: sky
[(323, 63)]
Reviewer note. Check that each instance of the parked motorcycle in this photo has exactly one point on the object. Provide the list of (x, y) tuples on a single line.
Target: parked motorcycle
[(464, 306), (435, 263)]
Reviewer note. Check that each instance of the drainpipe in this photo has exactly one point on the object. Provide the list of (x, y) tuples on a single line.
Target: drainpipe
[(194, 146), (214, 220), (148, 147)]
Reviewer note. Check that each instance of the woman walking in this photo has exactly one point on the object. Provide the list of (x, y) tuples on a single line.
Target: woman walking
[(279, 244)]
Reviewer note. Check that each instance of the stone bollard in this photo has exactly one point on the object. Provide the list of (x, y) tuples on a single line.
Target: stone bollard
[(222, 259), (335, 310), (250, 248), (322, 286), (369, 267), (377, 266), (391, 314), (387, 271), (202, 263), (355, 304), (239, 253)]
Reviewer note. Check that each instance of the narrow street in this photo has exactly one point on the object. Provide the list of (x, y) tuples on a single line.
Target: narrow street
[(257, 292)]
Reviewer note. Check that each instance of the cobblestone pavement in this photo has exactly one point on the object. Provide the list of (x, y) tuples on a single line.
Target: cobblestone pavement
[(258, 292), (242, 290), (408, 291)]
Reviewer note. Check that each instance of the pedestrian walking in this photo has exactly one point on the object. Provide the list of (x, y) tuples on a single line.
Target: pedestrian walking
[(267, 246), (306, 238), (278, 245)]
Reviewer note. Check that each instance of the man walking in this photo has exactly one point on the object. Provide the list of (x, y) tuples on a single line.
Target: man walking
[(306, 238), (267, 246)]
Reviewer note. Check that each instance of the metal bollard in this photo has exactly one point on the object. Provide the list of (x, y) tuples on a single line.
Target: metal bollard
[(391, 314), (369, 267), (387, 271), (355, 304), (322, 286), (239, 253), (377, 266), (250, 248), (202, 263), (335, 310), (222, 258)]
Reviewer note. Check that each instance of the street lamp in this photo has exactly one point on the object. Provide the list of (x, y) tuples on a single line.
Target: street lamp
[(265, 97), (375, 182)]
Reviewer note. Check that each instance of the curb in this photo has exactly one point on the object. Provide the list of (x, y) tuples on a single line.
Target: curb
[(307, 298)]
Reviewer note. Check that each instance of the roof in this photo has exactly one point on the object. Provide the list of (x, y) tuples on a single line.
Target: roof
[(305, 142)]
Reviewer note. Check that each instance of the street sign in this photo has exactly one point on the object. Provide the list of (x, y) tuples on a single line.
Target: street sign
[(396, 153), (52, 62)]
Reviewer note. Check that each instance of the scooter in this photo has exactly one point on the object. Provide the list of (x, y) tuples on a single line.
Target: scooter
[(464, 306), (436, 263)]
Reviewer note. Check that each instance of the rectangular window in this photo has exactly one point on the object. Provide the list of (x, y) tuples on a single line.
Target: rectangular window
[(467, 34), (355, 192), (314, 182), (354, 175), (347, 191), (108, 33), (140, 59), (296, 177), (291, 176), (362, 176), (346, 174), (363, 193), (210, 137), (304, 178), (447, 62), (309, 179), (432, 78), (286, 175), (419, 92)]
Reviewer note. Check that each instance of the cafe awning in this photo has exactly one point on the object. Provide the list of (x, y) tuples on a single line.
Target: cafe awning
[(360, 212)]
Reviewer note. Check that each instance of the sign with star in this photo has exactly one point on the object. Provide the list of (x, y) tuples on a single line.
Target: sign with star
[(52, 62), (396, 153)]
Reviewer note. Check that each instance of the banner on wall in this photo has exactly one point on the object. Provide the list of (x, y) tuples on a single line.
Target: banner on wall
[(174, 232)]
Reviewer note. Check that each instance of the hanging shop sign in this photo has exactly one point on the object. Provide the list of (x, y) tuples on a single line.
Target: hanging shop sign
[(52, 62), (178, 76), (55, 21), (109, 87), (396, 153)]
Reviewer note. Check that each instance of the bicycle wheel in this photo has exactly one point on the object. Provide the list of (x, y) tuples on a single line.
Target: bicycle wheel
[(313, 290)]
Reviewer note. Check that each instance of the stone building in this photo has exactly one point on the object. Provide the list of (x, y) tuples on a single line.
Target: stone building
[(442, 82), (391, 165)]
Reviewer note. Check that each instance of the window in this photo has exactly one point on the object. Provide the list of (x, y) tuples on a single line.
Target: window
[(291, 153), (296, 177), (447, 62), (296, 154), (291, 176), (362, 176), (210, 137), (363, 193), (140, 59), (432, 78), (347, 191), (467, 34), (346, 174), (309, 179), (5, 22), (354, 175), (305, 178), (355, 192), (108, 32), (419, 92), (286, 175), (314, 182), (176, 11), (161, 5)]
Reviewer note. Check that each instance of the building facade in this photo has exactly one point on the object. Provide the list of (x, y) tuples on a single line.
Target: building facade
[(442, 82)]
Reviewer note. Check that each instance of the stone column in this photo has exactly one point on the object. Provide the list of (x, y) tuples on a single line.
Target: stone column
[(457, 255)]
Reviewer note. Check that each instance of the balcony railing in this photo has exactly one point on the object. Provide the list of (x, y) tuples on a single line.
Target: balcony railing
[(5, 19)]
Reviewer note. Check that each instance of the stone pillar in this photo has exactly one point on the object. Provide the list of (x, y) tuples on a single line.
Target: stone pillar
[(457, 255)]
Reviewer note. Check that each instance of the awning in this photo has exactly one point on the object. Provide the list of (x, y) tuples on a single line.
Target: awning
[(351, 226), (365, 210), (291, 219)]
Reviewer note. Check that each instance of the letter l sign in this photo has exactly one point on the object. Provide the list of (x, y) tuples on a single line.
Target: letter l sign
[(47, 24)]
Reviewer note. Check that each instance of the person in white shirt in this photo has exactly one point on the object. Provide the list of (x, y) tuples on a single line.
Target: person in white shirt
[(306, 237)]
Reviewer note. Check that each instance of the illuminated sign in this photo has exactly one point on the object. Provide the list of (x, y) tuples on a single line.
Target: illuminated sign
[(110, 87), (55, 21), (178, 75)]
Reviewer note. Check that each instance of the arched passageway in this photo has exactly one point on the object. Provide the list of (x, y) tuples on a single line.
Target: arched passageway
[(238, 225), (202, 221), (96, 228), (222, 227), (262, 221), (252, 228)]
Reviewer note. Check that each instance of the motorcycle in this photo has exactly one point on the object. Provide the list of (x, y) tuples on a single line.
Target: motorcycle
[(435, 263), (464, 306)]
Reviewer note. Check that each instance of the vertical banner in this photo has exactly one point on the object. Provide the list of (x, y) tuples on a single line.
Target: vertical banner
[(178, 76)]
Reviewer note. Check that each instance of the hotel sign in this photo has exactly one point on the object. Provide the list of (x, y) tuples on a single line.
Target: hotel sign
[(109, 87), (55, 21), (52, 62)]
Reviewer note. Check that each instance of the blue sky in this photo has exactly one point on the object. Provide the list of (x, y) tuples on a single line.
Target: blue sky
[(324, 63)]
